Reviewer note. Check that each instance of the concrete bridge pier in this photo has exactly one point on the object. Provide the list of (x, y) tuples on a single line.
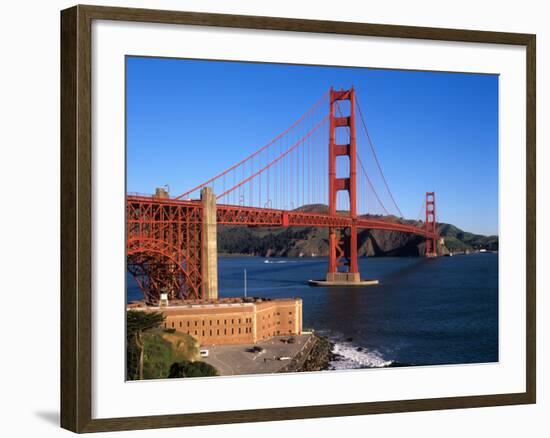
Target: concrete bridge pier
[(342, 279), (209, 256)]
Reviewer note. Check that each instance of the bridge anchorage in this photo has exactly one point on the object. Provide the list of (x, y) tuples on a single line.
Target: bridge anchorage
[(171, 241)]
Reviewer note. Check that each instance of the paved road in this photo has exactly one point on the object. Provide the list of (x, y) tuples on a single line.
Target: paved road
[(235, 359)]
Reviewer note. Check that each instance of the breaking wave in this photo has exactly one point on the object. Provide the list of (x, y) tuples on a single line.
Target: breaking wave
[(349, 356)]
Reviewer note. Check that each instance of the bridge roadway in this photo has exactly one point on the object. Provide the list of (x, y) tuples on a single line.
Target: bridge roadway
[(166, 210)]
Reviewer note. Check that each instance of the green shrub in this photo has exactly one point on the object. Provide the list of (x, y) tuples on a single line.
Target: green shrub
[(191, 369), (158, 356)]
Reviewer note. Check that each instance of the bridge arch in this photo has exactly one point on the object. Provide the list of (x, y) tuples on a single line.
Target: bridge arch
[(159, 267)]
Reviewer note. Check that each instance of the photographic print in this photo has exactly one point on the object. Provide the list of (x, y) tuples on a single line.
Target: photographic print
[(300, 218)]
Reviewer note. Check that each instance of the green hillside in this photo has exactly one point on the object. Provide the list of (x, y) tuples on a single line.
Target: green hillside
[(312, 241)]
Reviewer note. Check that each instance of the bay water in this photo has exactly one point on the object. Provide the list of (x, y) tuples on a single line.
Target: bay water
[(425, 311)]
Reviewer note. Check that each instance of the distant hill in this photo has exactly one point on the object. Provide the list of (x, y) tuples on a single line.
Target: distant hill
[(312, 241)]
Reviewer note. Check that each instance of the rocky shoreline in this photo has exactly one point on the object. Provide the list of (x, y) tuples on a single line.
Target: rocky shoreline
[(320, 356), (316, 357)]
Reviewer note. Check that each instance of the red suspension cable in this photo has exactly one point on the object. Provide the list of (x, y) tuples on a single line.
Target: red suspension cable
[(370, 184), (274, 140), (364, 125), (277, 159), (365, 172)]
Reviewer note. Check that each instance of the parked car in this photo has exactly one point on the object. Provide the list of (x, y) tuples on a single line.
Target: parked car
[(203, 353), (255, 349)]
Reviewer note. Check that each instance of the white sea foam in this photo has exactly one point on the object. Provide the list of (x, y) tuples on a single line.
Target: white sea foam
[(349, 357)]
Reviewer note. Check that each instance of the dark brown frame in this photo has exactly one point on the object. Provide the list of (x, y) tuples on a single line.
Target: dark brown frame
[(76, 173)]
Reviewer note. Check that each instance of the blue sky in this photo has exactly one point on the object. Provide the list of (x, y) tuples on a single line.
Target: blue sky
[(187, 120)]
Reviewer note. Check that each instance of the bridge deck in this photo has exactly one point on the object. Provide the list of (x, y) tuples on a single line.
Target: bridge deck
[(252, 216)]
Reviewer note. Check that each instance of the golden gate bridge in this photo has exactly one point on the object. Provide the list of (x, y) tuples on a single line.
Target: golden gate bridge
[(170, 243)]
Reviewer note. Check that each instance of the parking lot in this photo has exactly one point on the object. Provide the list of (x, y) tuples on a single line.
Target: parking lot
[(238, 359)]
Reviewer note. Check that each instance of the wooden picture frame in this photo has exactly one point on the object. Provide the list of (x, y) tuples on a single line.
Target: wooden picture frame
[(76, 217)]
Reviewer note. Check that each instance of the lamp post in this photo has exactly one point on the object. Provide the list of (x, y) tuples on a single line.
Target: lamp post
[(245, 282)]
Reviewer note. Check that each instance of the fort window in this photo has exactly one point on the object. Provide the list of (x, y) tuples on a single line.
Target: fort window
[(210, 322), (195, 323), (224, 331), (232, 331), (210, 332), (218, 322), (239, 330), (203, 332), (203, 322), (218, 331), (232, 321), (172, 323), (195, 333), (164, 325), (239, 320), (187, 323), (225, 321), (181, 323)]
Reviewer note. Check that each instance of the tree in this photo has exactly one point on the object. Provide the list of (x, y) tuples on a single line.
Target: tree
[(192, 369), (137, 322)]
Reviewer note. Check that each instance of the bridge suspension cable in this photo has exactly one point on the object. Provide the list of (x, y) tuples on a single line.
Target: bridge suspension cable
[(422, 211), (364, 126), (364, 172), (300, 176), (277, 159), (370, 183), (256, 154)]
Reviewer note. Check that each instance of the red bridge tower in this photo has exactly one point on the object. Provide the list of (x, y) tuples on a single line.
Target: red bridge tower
[(431, 228), (342, 266)]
